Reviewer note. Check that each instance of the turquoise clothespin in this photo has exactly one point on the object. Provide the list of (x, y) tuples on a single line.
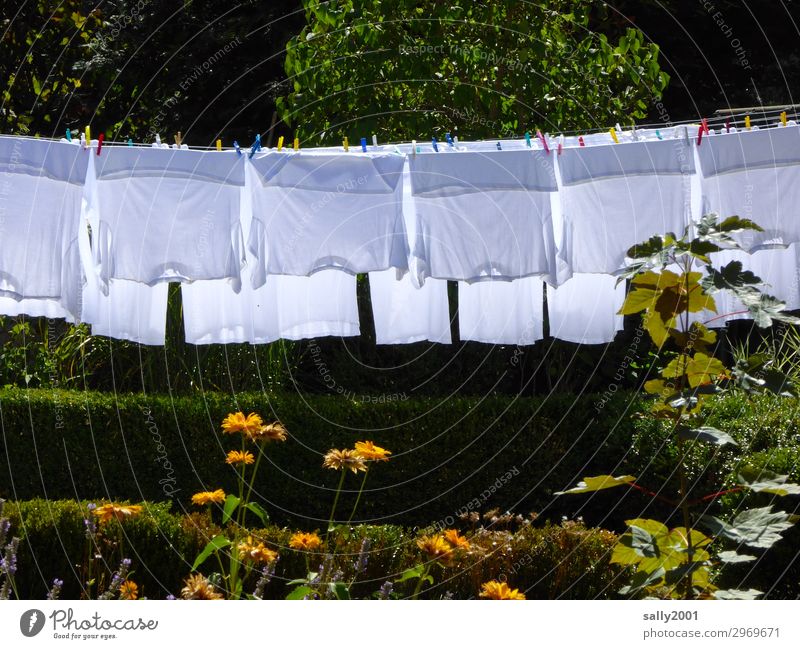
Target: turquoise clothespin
[(528, 139), (130, 142), (435, 145), (364, 145), (658, 135), (69, 135)]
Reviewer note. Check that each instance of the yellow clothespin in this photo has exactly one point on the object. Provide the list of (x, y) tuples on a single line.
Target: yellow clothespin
[(346, 144), (178, 139), (614, 137), (783, 118), (747, 122), (297, 144), (219, 145), (280, 142), (88, 135)]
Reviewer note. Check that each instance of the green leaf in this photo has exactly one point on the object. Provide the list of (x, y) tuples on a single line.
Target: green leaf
[(259, 511), (300, 592), (757, 528), (641, 580), (340, 590), (597, 483), (412, 573), (231, 503), (215, 544), (706, 434), (731, 556), (764, 481), (732, 593)]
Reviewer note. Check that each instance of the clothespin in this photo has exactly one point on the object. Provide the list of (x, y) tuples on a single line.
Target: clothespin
[(413, 147), (580, 141), (499, 147), (658, 135), (449, 139), (69, 135), (634, 135), (297, 144), (699, 134), (704, 126), (747, 122), (614, 137), (178, 139), (374, 141), (455, 140), (345, 144), (100, 139), (236, 146), (130, 142), (544, 141), (435, 145), (83, 141), (728, 125), (363, 145), (527, 139), (560, 144), (157, 144), (88, 134), (280, 142), (256, 145), (783, 118), (686, 135)]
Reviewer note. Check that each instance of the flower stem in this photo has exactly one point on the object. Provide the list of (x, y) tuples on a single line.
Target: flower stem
[(333, 509), (358, 497), (422, 578)]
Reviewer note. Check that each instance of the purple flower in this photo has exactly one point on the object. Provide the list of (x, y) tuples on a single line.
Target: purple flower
[(266, 576), (363, 557), (55, 590), (117, 579), (385, 590)]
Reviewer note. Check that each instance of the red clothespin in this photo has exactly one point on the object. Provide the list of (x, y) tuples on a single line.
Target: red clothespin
[(100, 139), (704, 124), (544, 141), (728, 125), (699, 134), (580, 141)]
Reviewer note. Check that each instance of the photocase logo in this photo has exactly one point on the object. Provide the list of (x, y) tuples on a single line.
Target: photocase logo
[(31, 622)]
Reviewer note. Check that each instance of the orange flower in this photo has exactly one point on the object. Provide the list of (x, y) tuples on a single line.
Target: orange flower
[(237, 422), (198, 587), (306, 541), (434, 546), (129, 590), (105, 513), (240, 457), (256, 552), (208, 497), (457, 541), (274, 432), (344, 459), (499, 590), (368, 451)]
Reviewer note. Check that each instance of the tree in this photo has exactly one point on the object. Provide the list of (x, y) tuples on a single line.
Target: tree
[(418, 68)]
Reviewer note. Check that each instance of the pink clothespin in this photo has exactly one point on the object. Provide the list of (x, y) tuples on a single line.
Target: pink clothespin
[(699, 134), (728, 125), (100, 139), (544, 141), (580, 141)]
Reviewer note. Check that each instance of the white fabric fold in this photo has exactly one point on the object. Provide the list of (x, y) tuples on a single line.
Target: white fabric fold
[(501, 313)]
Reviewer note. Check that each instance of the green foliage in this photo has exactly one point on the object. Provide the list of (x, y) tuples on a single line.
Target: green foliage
[(410, 69), (567, 560)]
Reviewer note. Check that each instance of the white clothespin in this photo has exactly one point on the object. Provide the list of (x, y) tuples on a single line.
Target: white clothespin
[(374, 142), (413, 147)]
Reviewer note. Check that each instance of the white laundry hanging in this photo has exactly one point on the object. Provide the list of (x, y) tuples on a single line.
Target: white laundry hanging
[(482, 215), (755, 175), (501, 313), (584, 309), (325, 210), (168, 215), (41, 183)]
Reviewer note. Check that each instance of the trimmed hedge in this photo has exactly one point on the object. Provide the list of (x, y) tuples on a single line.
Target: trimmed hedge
[(566, 560), (449, 456)]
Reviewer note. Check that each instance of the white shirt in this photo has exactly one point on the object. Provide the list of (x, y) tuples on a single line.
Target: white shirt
[(501, 313), (584, 309)]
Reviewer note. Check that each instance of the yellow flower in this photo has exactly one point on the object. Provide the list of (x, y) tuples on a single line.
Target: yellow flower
[(256, 552), (434, 546), (240, 457), (129, 590), (457, 541), (208, 497), (499, 590), (307, 541), (105, 513), (343, 460), (274, 432), (237, 422), (368, 451), (198, 587)]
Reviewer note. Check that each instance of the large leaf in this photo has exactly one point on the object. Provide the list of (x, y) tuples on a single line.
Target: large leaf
[(259, 511), (757, 528), (300, 593), (641, 580), (597, 483), (731, 556), (764, 481), (737, 594), (217, 543), (706, 434), (231, 503)]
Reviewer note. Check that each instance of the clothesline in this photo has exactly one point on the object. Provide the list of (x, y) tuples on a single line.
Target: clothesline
[(268, 245)]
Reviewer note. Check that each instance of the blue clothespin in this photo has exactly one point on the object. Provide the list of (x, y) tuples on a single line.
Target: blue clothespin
[(236, 146), (449, 139), (69, 135), (130, 142), (435, 144), (528, 139), (499, 148), (256, 146), (364, 145)]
